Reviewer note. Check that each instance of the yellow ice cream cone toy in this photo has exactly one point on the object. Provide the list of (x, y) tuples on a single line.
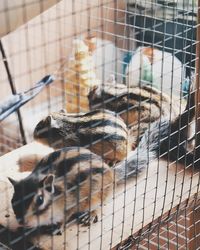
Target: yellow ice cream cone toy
[(80, 77)]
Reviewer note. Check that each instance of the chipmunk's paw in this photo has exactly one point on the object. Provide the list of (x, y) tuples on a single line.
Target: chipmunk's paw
[(54, 229), (88, 218)]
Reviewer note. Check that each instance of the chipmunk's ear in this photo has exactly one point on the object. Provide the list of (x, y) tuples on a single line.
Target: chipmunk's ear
[(48, 120), (63, 111), (12, 181), (48, 183), (93, 94), (51, 122)]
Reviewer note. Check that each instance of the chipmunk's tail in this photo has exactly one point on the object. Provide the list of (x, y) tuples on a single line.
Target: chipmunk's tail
[(163, 138), (146, 151)]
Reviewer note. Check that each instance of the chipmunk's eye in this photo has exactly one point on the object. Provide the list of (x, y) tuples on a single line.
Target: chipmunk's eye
[(39, 200)]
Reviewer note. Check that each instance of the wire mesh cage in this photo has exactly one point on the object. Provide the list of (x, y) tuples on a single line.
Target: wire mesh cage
[(99, 122)]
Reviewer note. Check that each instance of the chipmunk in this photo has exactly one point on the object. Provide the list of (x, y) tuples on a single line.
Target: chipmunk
[(138, 107), (166, 139), (102, 131), (67, 184)]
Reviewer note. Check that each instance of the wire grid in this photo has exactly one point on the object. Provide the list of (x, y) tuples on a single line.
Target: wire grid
[(44, 44), (176, 233)]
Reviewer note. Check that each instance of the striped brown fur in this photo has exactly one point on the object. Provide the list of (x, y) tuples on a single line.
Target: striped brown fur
[(102, 131), (73, 180), (138, 107)]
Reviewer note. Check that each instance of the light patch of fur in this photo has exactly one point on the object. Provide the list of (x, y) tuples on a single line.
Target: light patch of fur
[(28, 162), (53, 215)]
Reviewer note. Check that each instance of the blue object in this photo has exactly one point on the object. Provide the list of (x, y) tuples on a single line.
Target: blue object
[(126, 60), (186, 87), (14, 102)]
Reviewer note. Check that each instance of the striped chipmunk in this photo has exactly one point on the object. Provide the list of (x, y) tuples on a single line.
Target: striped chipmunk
[(102, 131), (166, 139), (68, 182), (66, 185), (62, 186), (138, 107)]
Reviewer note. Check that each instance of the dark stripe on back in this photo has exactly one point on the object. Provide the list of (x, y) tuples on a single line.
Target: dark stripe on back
[(91, 113), (104, 121), (123, 102), (151, 90), (94, 112), (83, 175), (47, 162), (88, 138), (100, 123), (139, 98), (66, 165)]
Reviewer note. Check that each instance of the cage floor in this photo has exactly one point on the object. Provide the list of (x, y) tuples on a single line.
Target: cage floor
[(156, 192)]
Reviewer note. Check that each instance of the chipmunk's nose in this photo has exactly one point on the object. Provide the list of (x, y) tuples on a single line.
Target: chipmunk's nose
[(21, 220)]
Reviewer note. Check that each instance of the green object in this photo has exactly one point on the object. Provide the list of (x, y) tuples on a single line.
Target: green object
[(147, 74), (126, 61)]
